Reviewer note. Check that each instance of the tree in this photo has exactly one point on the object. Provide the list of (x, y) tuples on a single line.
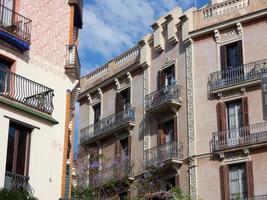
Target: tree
[(6, 194), (98, 176)]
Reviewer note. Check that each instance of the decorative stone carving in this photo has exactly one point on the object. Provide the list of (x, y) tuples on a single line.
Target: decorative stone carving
[(168, 62), (100, 94), (239, 29), (189, 82), (117, 84), (129, 77), (89, 99), (230, 34), (191, 122), (217, 35), (146, 117), (192, 178)]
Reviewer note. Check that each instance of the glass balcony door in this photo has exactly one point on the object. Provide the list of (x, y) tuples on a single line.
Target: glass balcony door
[(6, 14), (235, 121)]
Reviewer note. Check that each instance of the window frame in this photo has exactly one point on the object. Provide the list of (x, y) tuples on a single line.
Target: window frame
[(15, 147)]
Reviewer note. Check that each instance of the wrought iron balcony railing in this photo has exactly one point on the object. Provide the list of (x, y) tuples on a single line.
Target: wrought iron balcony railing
[(25, 91), (107, 124), (237, 137), (72, 58), (117, 170), (17, 182), (163, 95), (237, 75), (163, 152), (15, 23), (258, 197)]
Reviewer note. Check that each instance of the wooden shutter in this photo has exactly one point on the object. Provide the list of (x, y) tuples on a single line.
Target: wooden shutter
[(116, 148), (118, 103), (224, 182), (161, 79), (161, 135), (250, 182), (223, 57), (175, 128), (221, 116), (129, 146), (240, 52), (245, 111)]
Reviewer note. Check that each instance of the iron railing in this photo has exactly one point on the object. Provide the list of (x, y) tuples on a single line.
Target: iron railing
[(258, 197), (237, 75), (117, 170), (236, 137), (15, 23), (72, 58), (107, 124), (166, 93), (17, 182), (25, 91), (163, 152)]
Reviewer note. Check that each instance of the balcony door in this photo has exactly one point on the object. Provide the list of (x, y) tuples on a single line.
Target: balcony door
[(235, 122), (97, 116), (6, 12), (4, 74), (167, 76), (232, 61), (238, 181), (18, 150)]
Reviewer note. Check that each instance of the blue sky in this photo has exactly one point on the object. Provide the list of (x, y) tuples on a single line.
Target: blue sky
[(113, 26)]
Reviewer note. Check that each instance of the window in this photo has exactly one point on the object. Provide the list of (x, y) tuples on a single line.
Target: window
[(97, 112), (18, 150), (124, 147), (231, 55), (234, 115), (169, 184), (167, 76), (123, 100), (238, 181), (166, 132), (4, 75), (7, 19)]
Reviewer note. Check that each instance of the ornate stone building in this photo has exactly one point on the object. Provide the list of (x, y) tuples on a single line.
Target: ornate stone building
[(39, 76), (187, 101)]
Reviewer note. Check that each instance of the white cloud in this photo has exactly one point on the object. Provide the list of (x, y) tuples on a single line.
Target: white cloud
[(111, 26)]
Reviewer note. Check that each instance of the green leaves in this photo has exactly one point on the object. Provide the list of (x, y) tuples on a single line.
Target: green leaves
[(6, 194)]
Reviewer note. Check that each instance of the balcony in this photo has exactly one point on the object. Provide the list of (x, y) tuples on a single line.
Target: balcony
[(15, 28), (122, 121), (216, 14), (25, 91), (170, 152), (117, 170), (236, 77), (72, 66), (237, 138), (165, 100), (78, 12), (17, 182)]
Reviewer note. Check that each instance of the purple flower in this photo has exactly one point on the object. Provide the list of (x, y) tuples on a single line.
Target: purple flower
[(94, 165)]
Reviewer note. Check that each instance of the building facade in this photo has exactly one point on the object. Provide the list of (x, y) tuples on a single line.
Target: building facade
[(39, 76), (228, 44), (187, 100)]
